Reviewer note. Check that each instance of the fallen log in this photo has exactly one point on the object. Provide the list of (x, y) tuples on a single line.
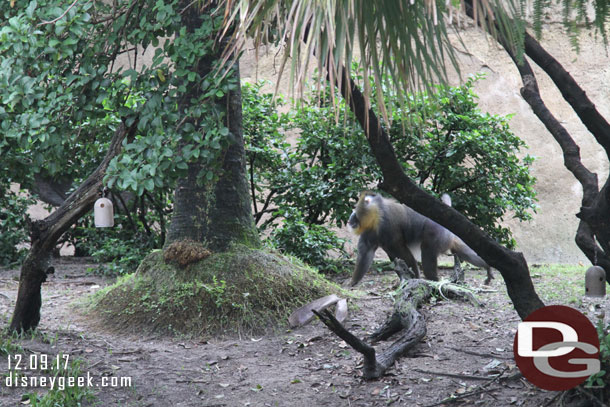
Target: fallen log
[(405, 319)]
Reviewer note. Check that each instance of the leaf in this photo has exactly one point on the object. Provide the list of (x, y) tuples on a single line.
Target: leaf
[(149, 184), (29, 11)]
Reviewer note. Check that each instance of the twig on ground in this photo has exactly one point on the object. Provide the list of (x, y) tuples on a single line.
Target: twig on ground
[(485, 355), (456, 375), (482, 388)]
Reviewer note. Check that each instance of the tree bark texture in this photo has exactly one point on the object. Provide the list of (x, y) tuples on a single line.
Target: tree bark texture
[(511, 265), (45, 234), (586, 232), (571, 91), (216, 214)]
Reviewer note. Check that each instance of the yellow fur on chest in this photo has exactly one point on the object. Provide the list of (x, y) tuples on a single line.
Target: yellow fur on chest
[(368, 222)]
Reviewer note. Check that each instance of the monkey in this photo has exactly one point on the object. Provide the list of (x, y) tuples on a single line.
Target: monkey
[(399, 230)]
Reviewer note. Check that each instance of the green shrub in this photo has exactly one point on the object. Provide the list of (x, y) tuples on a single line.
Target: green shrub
[(122, 255), (309, 242), (13, 225), (600, 379), (449, 145), (443, 141)]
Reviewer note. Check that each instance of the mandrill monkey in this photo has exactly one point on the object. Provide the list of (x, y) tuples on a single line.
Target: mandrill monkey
[(398, 229)]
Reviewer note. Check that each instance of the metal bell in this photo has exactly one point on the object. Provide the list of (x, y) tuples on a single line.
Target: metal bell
[(103, 213)]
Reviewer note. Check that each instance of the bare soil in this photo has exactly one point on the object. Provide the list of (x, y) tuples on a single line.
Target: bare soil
[(463, 350)]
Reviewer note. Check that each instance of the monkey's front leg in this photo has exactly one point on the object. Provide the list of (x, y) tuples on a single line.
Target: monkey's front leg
[(366, 253)]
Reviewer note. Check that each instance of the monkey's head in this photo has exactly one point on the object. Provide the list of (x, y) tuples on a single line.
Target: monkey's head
[(367, 214)]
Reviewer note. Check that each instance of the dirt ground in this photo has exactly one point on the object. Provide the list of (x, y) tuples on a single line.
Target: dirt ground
[(465, 346)]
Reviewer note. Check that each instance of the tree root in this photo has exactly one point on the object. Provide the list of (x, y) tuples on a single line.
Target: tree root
[(405, 319)]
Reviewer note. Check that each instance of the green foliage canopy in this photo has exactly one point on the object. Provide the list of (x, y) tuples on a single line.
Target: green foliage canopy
[(64, 88), (69, 74), (442, 139)]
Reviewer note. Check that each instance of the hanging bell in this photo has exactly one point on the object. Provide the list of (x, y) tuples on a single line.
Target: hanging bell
[(595, 282), (103, 213)]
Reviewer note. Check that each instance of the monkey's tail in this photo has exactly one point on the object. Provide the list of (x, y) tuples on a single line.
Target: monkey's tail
[(466, 253), (446, 199)]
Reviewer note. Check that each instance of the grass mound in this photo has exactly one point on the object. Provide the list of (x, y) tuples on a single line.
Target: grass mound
[(243, 291)]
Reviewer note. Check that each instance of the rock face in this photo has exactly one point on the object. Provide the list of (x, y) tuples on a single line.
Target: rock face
[(549, 237)]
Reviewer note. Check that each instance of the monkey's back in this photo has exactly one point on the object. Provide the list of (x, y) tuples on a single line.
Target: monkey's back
[(400, 224)]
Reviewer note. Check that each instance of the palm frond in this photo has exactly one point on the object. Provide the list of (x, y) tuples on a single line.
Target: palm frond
[(405, 40)]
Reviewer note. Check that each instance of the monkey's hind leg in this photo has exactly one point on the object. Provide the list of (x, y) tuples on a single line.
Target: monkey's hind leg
[(429, 262), (402, 252), (490, 276)]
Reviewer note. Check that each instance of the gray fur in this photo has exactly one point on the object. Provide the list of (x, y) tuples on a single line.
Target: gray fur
[(400, 229)]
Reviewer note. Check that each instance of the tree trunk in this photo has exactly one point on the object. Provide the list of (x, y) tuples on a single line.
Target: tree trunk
[(45, 233), (511, 265), (216, 214), (595, 205)]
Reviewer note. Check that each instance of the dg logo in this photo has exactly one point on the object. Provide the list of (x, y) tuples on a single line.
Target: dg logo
[(556, 348)]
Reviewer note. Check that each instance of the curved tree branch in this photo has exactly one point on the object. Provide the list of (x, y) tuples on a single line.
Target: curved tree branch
[(571, 91)]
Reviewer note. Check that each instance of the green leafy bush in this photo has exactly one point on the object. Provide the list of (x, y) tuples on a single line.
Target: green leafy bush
[(600, 379), (449, 145), (122, 255), (13, 225), (443, 141), (57, 121), (309, 242)]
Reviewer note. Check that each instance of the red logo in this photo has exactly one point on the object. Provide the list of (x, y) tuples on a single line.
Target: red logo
[(556, 348)]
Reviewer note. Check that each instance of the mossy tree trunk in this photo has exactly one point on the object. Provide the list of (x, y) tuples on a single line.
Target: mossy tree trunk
[(216, 214)]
